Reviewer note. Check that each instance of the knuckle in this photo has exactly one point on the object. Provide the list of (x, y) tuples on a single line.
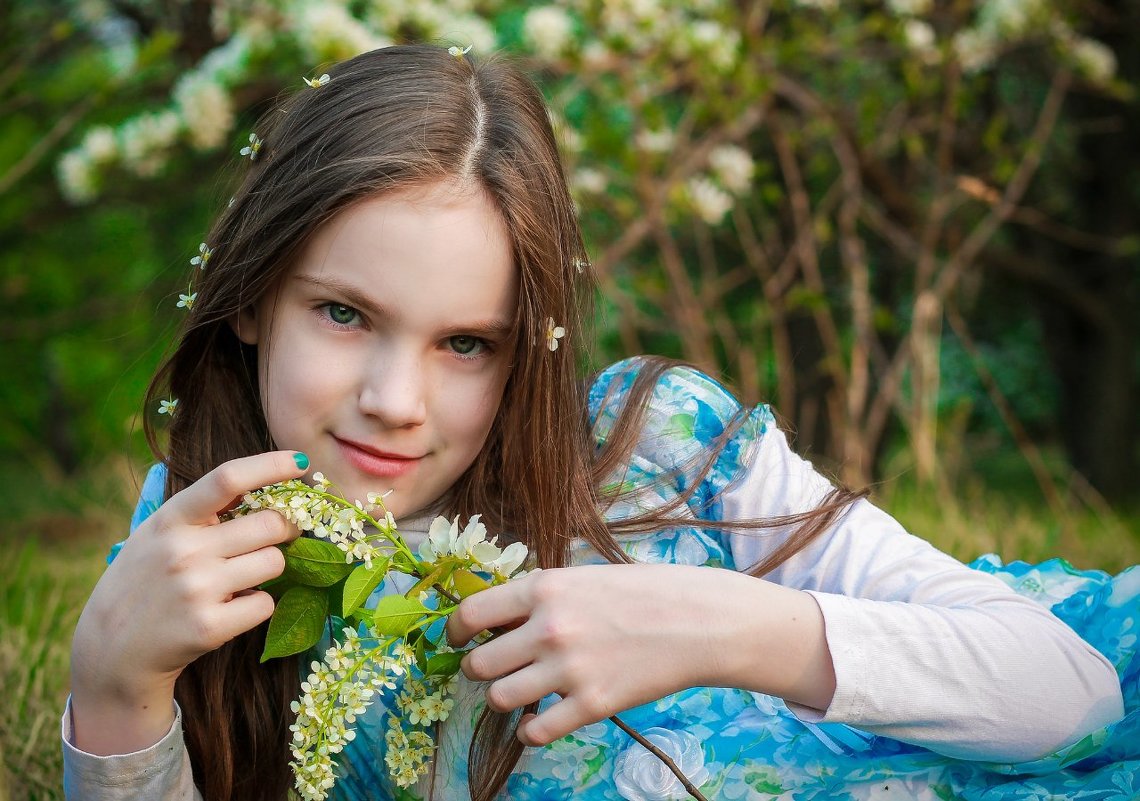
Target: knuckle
[(227, 477), (202, 629), (595, 703), (555, 632)]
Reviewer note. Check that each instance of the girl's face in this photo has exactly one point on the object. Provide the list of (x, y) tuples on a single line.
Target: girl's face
[(384, 351)]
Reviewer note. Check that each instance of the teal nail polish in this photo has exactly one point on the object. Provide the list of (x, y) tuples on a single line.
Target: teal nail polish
[(302, 460)]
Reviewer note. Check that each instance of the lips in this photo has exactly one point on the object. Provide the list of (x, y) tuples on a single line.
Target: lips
[(383, 464)]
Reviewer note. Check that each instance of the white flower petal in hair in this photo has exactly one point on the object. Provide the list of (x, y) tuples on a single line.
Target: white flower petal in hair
[(252, 148), (203, 257), (553, 333), (316, 83), (187, 301), (581, 264), (168, 406), (455, 51)]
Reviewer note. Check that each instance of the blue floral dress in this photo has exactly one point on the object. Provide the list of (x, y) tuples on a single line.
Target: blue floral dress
[(736, 744)]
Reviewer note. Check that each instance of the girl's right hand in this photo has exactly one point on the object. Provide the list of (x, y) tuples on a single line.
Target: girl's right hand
[(183, 584)]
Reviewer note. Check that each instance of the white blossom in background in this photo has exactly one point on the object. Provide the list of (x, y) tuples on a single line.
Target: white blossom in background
[(709, 201), (910, 8), (1011, 19), (327, 32), (100, 144), (564, 133), (147, 139), (206, 110), (1094, 59), (596, 56), (822, 5), (974, 49), (651, 141), (920, 39), (76, 176), (717, 43), (589, 181), (733, 166), (548, 30), (469, 30)]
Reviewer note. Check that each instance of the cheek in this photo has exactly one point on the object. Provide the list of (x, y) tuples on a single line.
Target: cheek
[(469, 414)]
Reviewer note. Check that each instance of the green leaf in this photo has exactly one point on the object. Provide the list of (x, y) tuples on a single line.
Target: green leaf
[(360, 584), (395, 615), (315, 563), (297, 622), (446, 664)]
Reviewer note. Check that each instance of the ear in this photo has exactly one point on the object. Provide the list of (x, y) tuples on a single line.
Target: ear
[(244, 324)]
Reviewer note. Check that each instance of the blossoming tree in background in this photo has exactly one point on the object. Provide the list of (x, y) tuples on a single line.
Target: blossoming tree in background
[(806, 195)]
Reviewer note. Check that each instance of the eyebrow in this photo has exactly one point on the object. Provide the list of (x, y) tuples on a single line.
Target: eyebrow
[(495, 327)]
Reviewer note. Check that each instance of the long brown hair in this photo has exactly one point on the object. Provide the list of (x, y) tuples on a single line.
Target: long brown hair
[(388, 120)]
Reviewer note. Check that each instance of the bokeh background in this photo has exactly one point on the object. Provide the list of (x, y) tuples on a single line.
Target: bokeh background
[(910, 225)]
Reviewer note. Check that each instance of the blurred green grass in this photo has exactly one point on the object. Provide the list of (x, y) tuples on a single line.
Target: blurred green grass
[(52, 558)]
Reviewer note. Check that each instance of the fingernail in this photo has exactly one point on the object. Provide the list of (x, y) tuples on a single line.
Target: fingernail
[(302, 460)]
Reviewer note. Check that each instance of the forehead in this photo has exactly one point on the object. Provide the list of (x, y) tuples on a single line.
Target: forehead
[(443, 247)]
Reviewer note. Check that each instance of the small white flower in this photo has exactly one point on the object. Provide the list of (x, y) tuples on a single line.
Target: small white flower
[(920, 37), (202, 259), (580, 265), (168, 406), (455, 51), (553, 333), (975, 50), (1094, 59), (547, 29), (733, 166), (316, 83), (589, 181), (709, 201), (187, 301), (253, 148)]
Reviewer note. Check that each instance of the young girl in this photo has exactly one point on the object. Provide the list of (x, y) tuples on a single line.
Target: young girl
[(392, 298)]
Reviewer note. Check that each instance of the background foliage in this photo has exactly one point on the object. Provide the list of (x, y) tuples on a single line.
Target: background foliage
[(911, 225)]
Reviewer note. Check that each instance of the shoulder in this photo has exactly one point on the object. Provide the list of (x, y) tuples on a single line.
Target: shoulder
[(674, 383), (688, 418), (683, 398)]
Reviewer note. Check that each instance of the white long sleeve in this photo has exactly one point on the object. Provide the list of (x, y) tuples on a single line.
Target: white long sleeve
[(925, 649)]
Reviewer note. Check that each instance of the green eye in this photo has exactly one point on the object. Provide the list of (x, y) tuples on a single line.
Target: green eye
[(340, 314), (464, 345)]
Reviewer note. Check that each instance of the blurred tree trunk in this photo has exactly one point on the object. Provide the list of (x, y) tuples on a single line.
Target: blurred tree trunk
[(1094, 344)]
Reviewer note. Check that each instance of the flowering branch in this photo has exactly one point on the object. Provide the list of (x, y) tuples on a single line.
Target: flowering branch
[(333, 572)]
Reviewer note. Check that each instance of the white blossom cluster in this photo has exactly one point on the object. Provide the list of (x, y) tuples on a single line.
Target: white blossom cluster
[(421, 704), (339, 689), (313, 509), (445, 539)]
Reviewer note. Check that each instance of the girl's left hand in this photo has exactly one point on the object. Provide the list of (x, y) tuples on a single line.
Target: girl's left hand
[(610, 637)]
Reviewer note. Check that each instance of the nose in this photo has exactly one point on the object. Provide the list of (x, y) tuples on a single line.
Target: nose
[(393, 390)]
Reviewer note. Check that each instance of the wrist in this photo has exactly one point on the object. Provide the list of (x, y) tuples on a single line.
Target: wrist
[(105, 724), (773, 641)]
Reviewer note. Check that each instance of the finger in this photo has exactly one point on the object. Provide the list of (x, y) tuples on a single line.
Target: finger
[(501, 606), (531, 684), (242, 613), (251, 569), (498, 657), (558, 720), (252, 532), (201, 502)]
